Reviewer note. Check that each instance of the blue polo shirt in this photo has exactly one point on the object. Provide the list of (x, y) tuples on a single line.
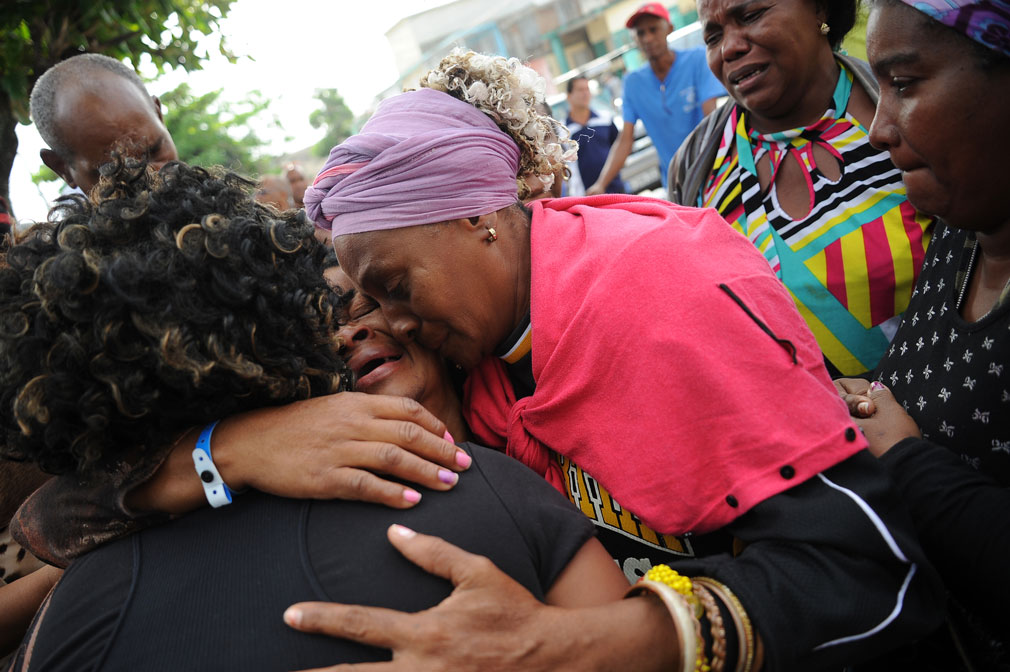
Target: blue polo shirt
[(672, 108)]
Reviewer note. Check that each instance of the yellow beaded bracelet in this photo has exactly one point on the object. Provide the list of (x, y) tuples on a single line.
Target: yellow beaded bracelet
[(679, 582), (677, 594)]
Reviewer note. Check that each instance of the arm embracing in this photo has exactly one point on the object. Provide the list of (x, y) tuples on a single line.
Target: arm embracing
[(320, 448), (326, 447), (492, 624), (960, 516), (831, 576), (832, 573)]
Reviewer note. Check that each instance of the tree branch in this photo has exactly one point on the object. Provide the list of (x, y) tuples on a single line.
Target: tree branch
[(122, 37)]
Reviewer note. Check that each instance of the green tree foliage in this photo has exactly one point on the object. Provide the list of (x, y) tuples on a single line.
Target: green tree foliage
[(211, 132), (335, 117), (37, 34), (44, 174), (854, 43)]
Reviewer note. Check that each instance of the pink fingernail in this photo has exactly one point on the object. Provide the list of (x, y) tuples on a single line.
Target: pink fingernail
[(293, 617), (448, 437), (447, 476), (864, 407), (405, 532), (412, 496), (877, 385), (462, 459)]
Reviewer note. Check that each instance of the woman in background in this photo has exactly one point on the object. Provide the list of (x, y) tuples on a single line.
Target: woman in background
[(788, 163)]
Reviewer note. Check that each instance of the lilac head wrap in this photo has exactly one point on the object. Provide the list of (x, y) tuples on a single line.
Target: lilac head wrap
[(985, 21), (423, 157)]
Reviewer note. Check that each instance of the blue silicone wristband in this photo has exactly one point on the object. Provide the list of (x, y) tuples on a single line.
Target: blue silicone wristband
[(218, 494)]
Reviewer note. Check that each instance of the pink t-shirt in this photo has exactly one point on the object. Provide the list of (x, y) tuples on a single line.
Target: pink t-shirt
[(651, 375)]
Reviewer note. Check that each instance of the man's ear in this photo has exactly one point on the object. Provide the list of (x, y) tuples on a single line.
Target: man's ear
[(56, 163), (157, 108)]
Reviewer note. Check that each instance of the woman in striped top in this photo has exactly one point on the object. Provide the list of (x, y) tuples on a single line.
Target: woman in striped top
[(788, 164)]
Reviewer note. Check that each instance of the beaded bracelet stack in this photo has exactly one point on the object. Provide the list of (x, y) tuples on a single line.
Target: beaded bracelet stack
[(694, 604), (677, 595), (747, 643)]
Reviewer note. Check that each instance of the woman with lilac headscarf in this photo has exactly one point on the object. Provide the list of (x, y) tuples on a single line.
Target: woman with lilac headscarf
[(603, 344), (936, 413)]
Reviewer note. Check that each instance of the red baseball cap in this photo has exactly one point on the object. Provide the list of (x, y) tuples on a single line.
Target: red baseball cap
[(649, 9)]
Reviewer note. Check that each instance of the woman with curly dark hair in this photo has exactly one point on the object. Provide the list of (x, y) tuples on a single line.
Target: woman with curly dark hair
[(167, 305), (173, 300)]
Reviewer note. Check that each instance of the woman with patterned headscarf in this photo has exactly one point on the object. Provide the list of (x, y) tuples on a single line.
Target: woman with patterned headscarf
[(937, 412), (606, 349)]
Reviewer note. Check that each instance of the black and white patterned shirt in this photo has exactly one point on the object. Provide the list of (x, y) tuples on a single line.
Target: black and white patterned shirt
[(952, 376)]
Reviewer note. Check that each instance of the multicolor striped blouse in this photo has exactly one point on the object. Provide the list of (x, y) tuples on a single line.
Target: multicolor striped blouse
[(851, 262)]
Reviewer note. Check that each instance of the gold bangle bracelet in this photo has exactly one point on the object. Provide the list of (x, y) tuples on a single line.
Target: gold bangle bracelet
[(688, 627), (746, 646), (716, 627)]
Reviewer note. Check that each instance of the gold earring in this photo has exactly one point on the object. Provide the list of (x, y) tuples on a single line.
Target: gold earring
[(492, 235), (825, 28)]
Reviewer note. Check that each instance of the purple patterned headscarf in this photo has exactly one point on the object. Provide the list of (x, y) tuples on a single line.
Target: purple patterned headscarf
[(423, 157), (985, 21)]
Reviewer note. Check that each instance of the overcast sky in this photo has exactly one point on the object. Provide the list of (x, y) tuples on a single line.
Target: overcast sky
[(297, 46)]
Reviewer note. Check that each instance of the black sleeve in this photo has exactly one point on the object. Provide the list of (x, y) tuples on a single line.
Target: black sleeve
[(554, 530), (831, 573), (71, 515), (962, 519)]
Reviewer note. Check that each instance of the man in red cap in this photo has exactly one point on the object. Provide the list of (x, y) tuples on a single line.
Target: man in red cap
[(670, 94)]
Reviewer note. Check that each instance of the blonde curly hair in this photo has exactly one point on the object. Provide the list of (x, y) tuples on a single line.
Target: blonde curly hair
[(509, 92)]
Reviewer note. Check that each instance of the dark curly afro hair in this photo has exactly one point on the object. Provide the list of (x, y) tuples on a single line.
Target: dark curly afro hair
[(169, 300)]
